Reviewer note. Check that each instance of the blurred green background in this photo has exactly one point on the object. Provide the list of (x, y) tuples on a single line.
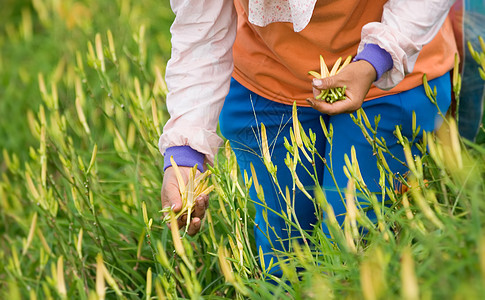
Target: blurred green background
[(43, 36)]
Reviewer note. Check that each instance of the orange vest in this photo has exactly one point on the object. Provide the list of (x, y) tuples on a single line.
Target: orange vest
[(273, 61)]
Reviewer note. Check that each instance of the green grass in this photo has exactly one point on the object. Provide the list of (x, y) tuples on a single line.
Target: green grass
[(80, 163), (44, 37)]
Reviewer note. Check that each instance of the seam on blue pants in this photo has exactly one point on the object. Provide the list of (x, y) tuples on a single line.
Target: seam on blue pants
[(240, 120)]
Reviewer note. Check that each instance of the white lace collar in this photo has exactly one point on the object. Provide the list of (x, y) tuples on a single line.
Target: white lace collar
[(298, 12)]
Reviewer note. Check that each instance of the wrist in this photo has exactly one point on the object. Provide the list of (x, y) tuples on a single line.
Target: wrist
[(366, 71), (377, 57)]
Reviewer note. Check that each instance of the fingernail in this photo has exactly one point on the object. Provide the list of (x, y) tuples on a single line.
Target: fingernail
[(172, 207), (310, 101), (317, 82)]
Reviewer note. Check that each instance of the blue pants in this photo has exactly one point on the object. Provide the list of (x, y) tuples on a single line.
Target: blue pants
[(472, 89), (244, 111)]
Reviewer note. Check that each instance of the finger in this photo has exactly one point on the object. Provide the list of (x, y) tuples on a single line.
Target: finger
[(327, 83), (175, 201), (206, 202), (194, 226), (182, 221), (339, 107), (199, 207), (316, 92), (171, 199), (170, 194)]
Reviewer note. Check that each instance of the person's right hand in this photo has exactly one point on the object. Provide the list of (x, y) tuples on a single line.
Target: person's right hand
[(171, 198), (357, 77)]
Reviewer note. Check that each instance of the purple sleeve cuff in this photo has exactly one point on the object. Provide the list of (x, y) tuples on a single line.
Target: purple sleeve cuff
[(379, 58), (184, 156)]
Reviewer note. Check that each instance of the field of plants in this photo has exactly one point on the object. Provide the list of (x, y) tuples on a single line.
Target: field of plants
[(81, 108)]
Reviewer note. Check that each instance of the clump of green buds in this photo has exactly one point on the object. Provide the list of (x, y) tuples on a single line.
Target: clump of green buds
[(334, 94)]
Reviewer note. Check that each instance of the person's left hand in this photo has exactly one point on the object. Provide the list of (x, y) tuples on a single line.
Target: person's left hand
[(357, 77), (170, 195)]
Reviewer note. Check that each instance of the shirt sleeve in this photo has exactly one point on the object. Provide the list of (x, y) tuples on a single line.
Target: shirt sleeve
[(198, 73), (406, 26)]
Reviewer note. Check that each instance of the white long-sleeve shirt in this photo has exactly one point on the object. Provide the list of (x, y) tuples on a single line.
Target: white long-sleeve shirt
[(203, 32)]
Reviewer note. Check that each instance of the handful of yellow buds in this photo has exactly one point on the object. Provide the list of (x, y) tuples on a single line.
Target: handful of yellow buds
[(189, 192), (333, 94)]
